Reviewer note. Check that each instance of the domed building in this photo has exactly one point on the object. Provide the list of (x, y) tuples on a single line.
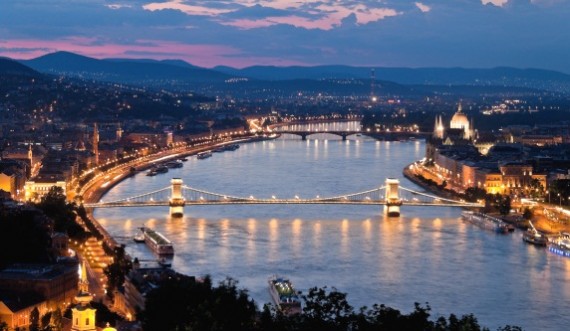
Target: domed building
[(460, 121)]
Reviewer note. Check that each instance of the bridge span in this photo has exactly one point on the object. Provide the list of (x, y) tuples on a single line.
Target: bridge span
[(177, 196), (385, 135)]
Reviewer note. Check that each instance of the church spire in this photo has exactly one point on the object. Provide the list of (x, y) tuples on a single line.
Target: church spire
[(96, 143), (83, 280)]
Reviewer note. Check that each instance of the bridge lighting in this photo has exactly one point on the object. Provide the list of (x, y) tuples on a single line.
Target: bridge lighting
[(297, 197), (367, 198), (251, 197), (201, 198), (273, 197), (318, 197)]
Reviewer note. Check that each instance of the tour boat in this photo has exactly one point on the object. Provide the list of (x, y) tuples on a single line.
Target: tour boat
[(485, 221), (561, 245), (532, 236), (204, 155), (157, 242), (284, 295)]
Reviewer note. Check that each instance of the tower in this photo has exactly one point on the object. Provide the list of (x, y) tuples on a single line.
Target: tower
[(393, 201), (177, 200), (372, 82), (30, 155), (438, 129), (96, 143), (119, 132), (83, 315)]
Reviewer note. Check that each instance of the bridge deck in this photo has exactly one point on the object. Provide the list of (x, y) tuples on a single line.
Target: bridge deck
[(277, 202)]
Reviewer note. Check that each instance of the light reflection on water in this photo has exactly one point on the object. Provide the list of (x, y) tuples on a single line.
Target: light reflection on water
[(426, 255)]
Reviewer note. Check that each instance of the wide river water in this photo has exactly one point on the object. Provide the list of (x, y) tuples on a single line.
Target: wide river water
[(427, 255)]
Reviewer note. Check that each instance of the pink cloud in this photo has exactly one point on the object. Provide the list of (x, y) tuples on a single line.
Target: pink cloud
[(498, 3), (333, 18), (202, 54), (324, 15), (188, 9), (423, 7)]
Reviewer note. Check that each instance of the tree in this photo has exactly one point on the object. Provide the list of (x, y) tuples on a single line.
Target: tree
[(35, 319), (505, 205), (472, 194), (527, 214), (327, 309), (55, 206), (45, 322), (57, 320)]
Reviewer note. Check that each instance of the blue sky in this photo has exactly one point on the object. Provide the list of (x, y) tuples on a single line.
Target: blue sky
[(395, 33)]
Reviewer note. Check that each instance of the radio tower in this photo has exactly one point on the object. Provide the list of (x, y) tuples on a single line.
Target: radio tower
[(372, 81)]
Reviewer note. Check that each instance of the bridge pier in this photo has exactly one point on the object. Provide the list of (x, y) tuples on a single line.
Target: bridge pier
[(177, 201), (343, 137), (393, 201), (304, 136)]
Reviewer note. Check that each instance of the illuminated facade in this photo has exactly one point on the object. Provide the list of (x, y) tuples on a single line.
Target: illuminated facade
[(40, 186), (460, 121)]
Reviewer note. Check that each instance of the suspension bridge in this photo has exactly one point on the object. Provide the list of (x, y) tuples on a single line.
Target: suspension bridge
[(178, 195)]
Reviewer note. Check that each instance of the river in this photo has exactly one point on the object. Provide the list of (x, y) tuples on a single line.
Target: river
[(426, 255)]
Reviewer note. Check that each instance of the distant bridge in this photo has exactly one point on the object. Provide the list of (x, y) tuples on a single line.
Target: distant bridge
[(391, 195), (388, 135)]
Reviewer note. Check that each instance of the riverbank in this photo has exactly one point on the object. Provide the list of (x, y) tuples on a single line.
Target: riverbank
[(541, 222)]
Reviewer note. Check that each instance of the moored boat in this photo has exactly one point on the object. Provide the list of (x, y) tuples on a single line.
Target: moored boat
[(204, 155), (532, 236), (284, 295), (157, 242), (139, 238), (485, 221), (561, 245), (174, 164)]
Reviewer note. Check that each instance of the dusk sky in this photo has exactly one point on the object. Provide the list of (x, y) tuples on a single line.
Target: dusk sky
[(442, 33)]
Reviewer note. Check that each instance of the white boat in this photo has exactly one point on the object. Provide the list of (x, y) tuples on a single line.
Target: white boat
[(485, 221), (157, 242), (561, 245), (284, 295)]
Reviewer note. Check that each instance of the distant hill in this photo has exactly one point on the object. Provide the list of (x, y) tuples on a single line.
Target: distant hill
[(500, 76), (180, 74), (11, 67), (122, 70)]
